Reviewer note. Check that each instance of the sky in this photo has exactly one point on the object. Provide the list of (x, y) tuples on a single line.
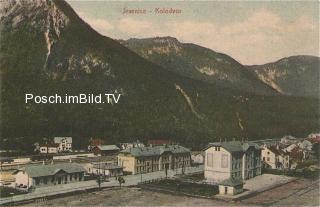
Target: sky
[(251, 32)]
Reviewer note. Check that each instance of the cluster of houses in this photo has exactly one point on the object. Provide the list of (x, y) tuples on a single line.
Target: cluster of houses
[(287, 153), (58, 145), (226, 164)]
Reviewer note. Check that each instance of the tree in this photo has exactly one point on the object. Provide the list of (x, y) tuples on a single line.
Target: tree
[(121, 181)]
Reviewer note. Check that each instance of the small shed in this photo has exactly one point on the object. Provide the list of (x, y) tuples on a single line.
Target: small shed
[(231, 186)]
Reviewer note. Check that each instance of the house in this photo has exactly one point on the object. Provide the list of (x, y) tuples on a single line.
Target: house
[(288, 140), (95, 142), (231, 186), (49, 148), (305, 145), (105, 150), (150, 159), (7, 178), (275, 158), (197, 157), (289, 147), (131, 144), (108, 169), (232, 160), (46, 175), (65, 143)]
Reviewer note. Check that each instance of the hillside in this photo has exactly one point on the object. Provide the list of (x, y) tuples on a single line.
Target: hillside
[(45, 48), (197, 62), (295, 75)]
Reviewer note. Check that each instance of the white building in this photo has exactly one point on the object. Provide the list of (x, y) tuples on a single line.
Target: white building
[(65, 143), (45, 175), (232, 160), (275, 158), (49, 148), (197, 157), (305, 145)]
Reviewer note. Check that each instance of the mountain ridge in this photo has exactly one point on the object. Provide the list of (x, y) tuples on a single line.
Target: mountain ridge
[(46, 49), (177, 57)]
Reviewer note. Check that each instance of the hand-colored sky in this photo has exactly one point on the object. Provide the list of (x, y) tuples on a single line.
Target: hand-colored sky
[(251, 32)]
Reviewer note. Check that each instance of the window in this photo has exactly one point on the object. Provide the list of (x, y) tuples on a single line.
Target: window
[(224, 161), (45, 180), (209, 159), (37, 180), (268, 158)]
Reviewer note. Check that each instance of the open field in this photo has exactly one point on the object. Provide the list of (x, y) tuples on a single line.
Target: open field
[(296, 193)]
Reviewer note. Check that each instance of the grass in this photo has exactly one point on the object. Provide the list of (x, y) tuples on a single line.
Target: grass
[(7, 191), (179, 186), (192, 177)]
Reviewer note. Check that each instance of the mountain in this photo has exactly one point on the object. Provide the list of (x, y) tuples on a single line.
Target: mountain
[(295, 75), (46, 49), (197, 62)]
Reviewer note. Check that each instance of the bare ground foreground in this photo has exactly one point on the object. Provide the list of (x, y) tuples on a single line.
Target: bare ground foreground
[(296, 193)]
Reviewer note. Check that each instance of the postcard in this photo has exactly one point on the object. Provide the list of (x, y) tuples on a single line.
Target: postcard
[(159, 103)]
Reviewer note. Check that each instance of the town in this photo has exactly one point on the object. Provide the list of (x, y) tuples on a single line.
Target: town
[(228, 170)]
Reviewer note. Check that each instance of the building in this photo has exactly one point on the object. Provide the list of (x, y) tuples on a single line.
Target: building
[(131, 145), (288, 140), (151, 159), (232, 160), (197, 157), (105, 150), (231, 186), (305, 145), (46, 175), (108, 169), (275, 158), (49, 148), (65, 143), (93, 142)]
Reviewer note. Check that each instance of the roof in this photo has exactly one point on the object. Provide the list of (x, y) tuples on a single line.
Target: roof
[(58, 139), (231, 182), (154, 151), (276, 151), (106, 166), (51, 169), (108, 147), (233, 146), (247, 145)]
